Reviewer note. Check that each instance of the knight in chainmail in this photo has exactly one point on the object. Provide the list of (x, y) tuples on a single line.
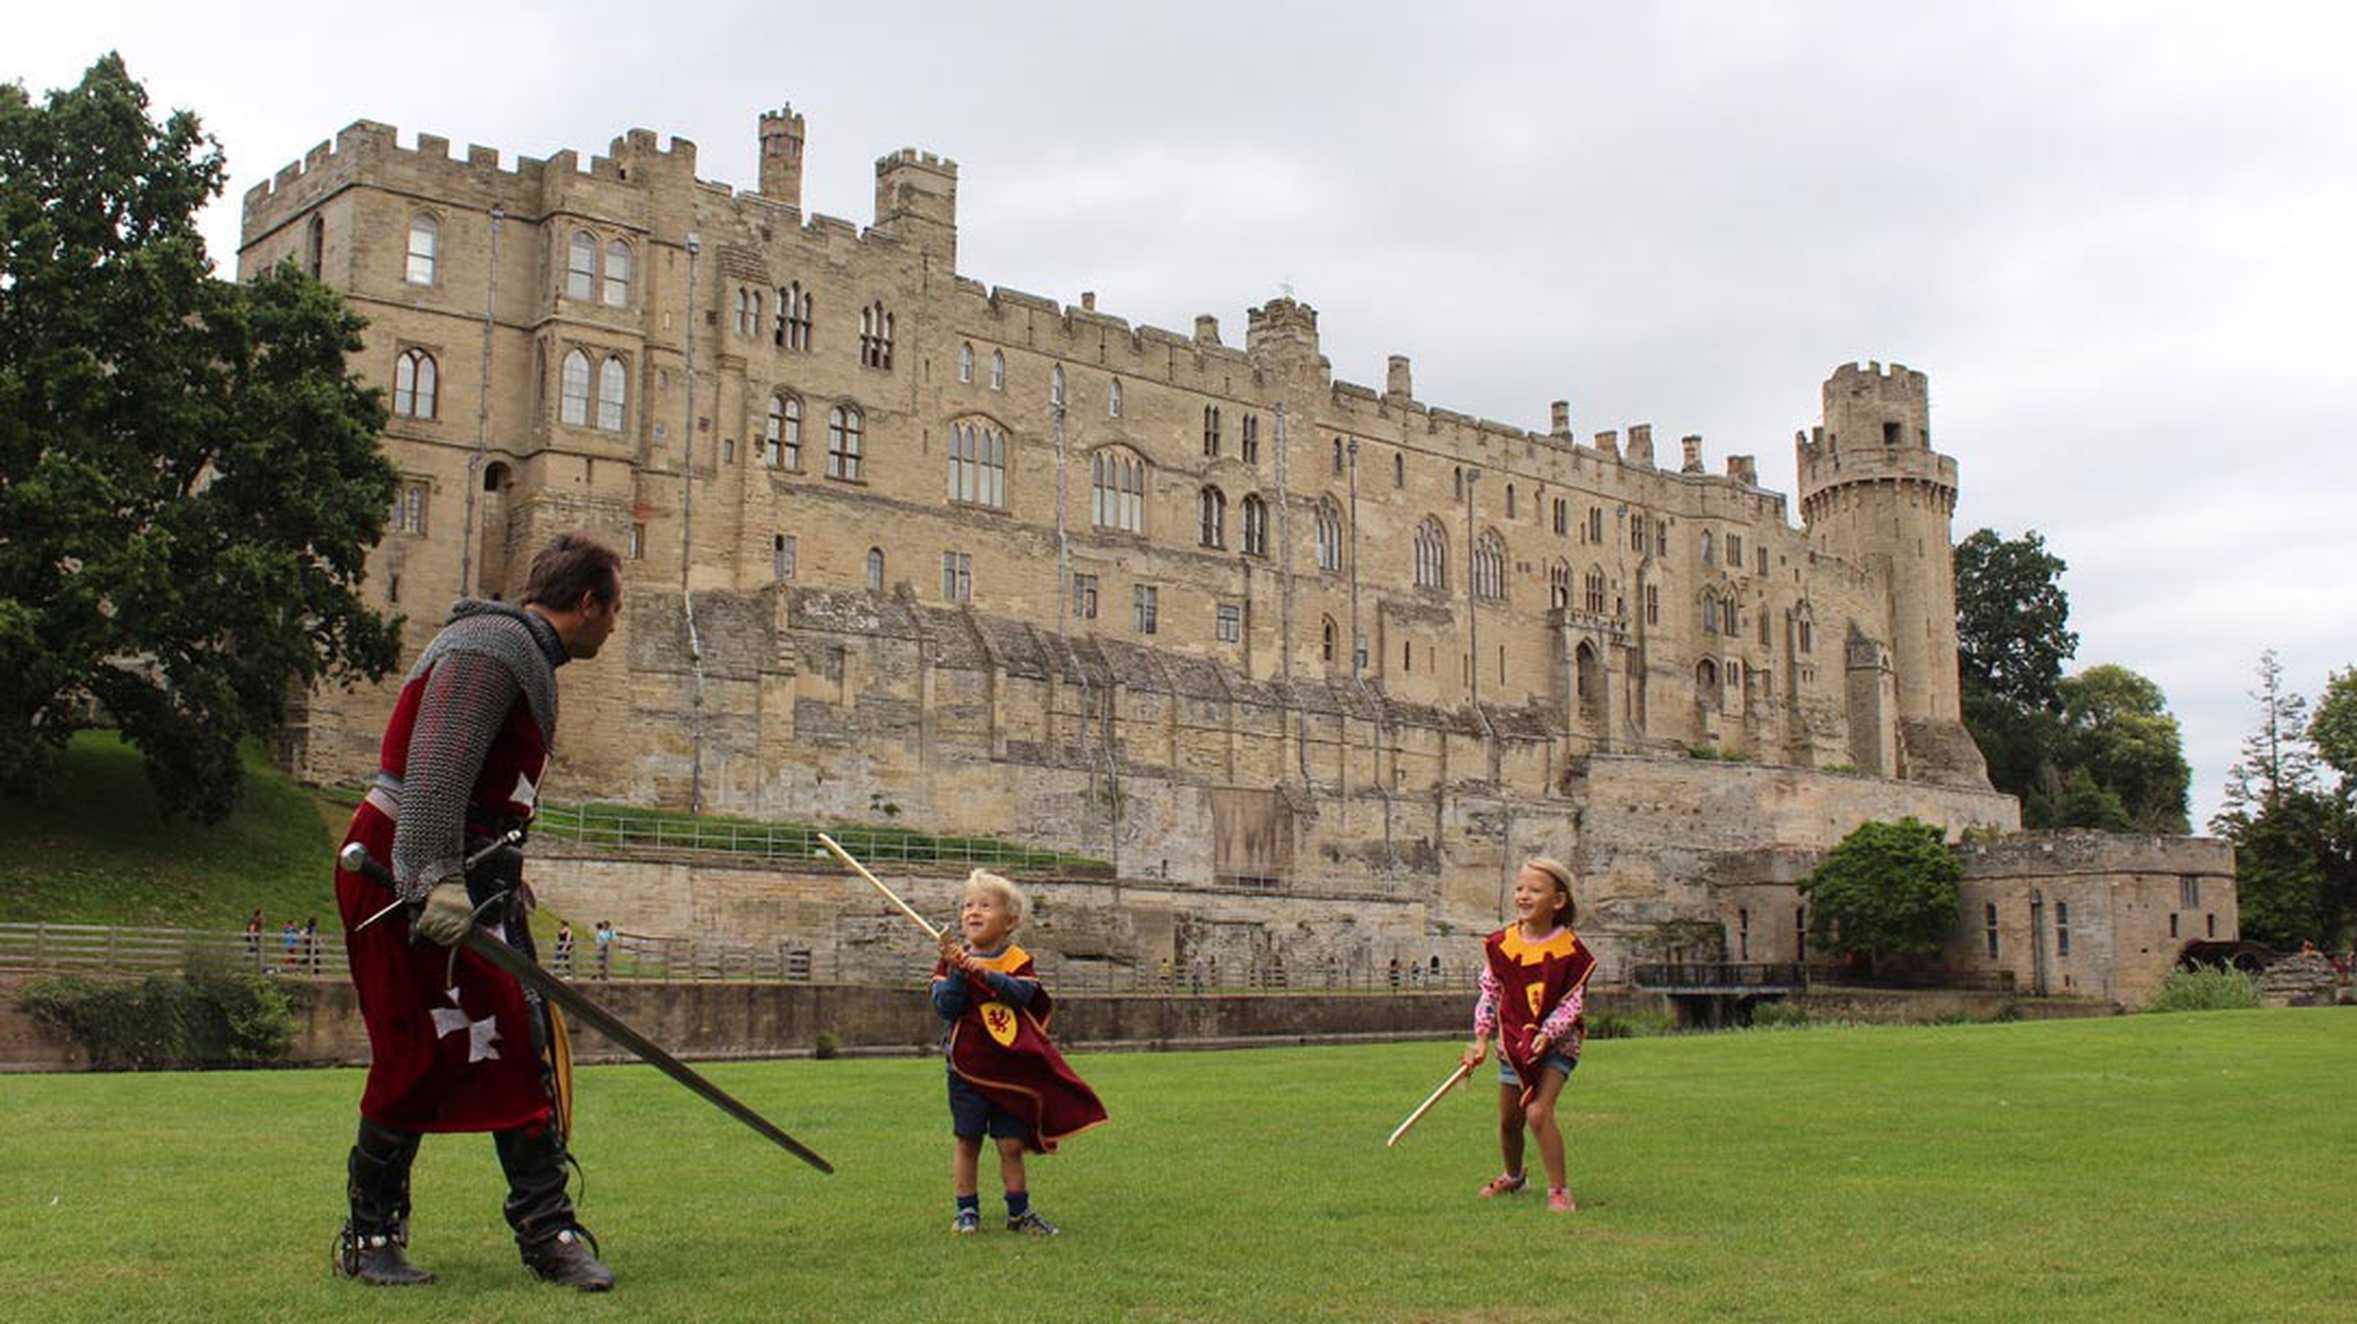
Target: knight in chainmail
[(456, 1043)]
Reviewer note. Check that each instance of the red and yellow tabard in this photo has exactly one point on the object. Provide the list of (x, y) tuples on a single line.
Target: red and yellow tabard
[(1533, 979), (1004, 1053)]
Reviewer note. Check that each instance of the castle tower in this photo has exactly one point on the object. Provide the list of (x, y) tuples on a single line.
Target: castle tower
[(1874, 492), (917, 203), (781, 156)]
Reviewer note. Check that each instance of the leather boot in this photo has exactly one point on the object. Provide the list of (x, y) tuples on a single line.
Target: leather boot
[(555, 1247), (373, 1245)]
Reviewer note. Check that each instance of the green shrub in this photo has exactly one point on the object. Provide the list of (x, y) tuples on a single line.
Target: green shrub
[(1778, 1015), (828, 1045), (1631, 1025), (204, 1016), (2206, 988)]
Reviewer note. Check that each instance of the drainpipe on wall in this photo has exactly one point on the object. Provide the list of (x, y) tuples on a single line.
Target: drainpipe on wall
[(687, 507), (474, 464)]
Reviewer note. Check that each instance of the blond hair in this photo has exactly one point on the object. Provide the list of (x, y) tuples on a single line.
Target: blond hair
[(1009, 895), (1561, 873)]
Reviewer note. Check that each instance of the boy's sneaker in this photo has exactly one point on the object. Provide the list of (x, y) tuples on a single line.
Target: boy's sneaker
[(1031, 1224), (967, 1221), (1559, 1200)]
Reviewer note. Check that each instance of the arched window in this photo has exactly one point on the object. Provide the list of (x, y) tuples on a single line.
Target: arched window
[(781, 436), (1399, 469), (1329, 535), (1211, 430), (1117, 491), (1559, 585), (1710, 612), (581, 268), (1213, 506), (413, 384), (1327, 635), (977, 464), (843, 425), (1593, 589), (1706, 547), (1804, 628), (1587, 679), (617, 274), (753, 323), (1432, 555), (1338, 455), (966, 363), (1113, 399), (1489, 567), (574, 392), (1056, 386), (1509, 501), (875, 569), (1256, 526), (875, 336), (998, 370), (425, 249), (1706, 683), (315, 245), (613, 392), (793, 317)]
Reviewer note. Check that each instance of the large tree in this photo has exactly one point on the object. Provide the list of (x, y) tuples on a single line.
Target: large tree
[(189, 476), (2294, 831), (2118, 732), (2012, 619), (1889, 889)]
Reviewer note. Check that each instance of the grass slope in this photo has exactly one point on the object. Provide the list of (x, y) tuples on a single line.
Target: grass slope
[(2145, 1167), (98, 850)]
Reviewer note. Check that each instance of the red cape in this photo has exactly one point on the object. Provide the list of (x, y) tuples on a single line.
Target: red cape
[(1533, 978), (1003, 1051)]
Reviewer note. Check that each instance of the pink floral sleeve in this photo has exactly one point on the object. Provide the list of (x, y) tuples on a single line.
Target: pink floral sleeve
[(1485, 1011), (1557, 1026)]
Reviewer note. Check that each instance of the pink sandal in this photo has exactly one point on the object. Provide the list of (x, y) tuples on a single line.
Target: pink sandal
[(1502, 1184)]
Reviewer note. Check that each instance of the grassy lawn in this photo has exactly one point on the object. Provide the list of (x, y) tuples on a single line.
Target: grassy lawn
[(99, 852), (2137, 1168)]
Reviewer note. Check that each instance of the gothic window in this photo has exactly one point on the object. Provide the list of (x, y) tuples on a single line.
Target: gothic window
[(613, 393), (965, 363), (1805, 628), (425, 249), (1211, 430), (781, 433), (1056, 386), (1562, 517), (1326, 637), (1214, 509), (744, 311), (875, 569), (581, 267), (843, 436), (617, 274), (1735, 552), (1637, 533), (413, 384), (1329, 536), (573, 397), (1706, 683), (1252, 439), (315, 245), (1661, 537), (1559, 585), (1710, 613), (998, 370), (875, 336), (1595, 524), (1432, 555), (1113, 399), (1707, 557), (1489, 567), (977, 465), (1256, 526), (1593, 589), (1509, 501), (1653, 604), (793, 317), (1117, 491), (409, 509)]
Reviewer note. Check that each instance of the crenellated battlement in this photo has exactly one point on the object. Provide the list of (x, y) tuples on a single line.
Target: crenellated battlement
[(1898, 381), (910, 156)]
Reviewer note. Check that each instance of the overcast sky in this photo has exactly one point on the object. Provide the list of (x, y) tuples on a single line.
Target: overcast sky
[(2118, 237)]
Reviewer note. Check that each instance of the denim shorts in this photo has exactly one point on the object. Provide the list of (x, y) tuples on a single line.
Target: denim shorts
[(971, 1116), (1552, 1061)]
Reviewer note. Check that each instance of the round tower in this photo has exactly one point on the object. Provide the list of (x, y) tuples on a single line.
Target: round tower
[(1873, 492), (781, 156)]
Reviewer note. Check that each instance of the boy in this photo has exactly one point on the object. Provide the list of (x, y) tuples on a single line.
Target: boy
[(1005, 1079)]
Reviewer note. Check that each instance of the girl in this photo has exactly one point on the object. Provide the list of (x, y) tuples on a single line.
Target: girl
[(1533, 990)]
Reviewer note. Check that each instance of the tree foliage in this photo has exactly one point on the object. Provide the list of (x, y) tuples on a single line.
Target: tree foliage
[(2294, 830), (2012, 619), (1889, 889), (189, 476), (2117, 732)]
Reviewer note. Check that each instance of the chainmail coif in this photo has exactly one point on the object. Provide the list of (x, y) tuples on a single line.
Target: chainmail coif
[(486, 655)]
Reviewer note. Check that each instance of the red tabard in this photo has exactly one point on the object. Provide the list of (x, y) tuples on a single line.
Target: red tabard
[(1533, 979), (1004, 1053), (455, 1054)]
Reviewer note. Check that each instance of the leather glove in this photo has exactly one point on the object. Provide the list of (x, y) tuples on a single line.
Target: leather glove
[(446, 916)]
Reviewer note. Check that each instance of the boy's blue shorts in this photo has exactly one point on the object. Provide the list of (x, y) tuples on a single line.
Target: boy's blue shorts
[(1553, 1060), (971, 1116)]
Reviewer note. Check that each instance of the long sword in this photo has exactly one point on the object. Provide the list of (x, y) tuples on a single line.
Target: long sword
[(356, 859)]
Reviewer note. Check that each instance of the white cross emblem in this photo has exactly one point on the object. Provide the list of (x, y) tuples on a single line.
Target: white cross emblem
[(482, 1035)]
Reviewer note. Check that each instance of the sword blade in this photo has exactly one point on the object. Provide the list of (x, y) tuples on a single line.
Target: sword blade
[(611, 1026)]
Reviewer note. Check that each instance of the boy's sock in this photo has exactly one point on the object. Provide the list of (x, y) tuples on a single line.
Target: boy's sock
[(1018, 1203), (970, 1204)]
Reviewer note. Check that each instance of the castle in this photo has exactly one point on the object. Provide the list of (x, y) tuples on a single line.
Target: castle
[(1309, 662)]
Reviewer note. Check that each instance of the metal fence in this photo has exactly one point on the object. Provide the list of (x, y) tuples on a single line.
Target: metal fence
[(75, 948), (587, 826), (1720, 976)]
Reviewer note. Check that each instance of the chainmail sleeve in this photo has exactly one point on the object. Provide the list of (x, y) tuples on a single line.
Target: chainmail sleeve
[(467, 699)]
